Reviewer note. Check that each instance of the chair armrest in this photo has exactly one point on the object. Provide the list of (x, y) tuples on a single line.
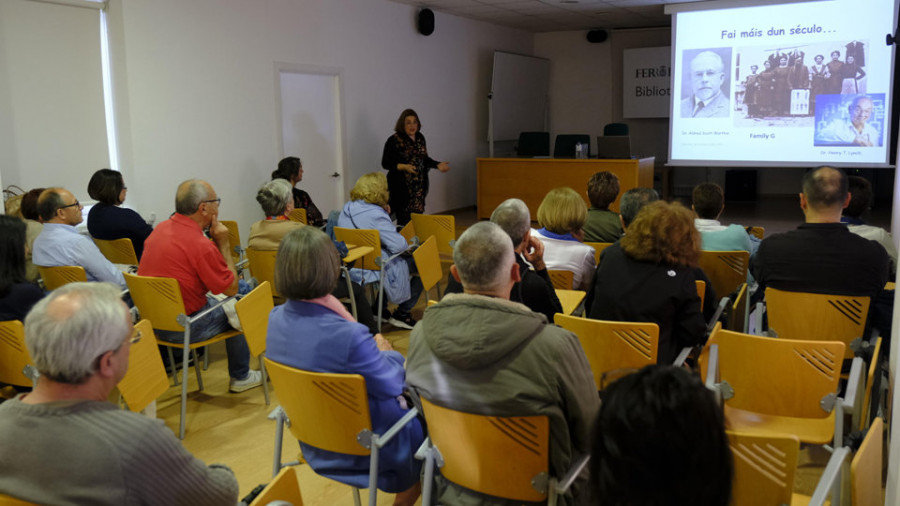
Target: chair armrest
[(854, 380), (711, 324), (390, 433), (829, 477), (190, 319), (683, 355), (569, 478), (381, 262), (243, 263), (712, 368)]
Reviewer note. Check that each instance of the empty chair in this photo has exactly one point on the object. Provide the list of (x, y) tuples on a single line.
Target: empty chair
[(725, 269), (737, 320), (565, 145), (428, 263), (866, 468), (534, 144), (284, 487), (615, 129), (14, 355), (442, 227), (146, 377), (253, 311)]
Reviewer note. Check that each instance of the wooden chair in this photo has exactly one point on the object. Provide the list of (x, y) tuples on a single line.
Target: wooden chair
[(598, 248), (866, 468), (262, 267), (570, 300), (234, 240), (298, 215), (442, 227), (506, 457), (611, 346), (118, 251), (146, 377), (562, 280), (781, 386), (253, 311), (758, 232), (408, 232), (331, 412), (740, 309), (159, 300), (14, 355), (726, 270), (428, 263), (8, 500), (800, 315), (701, 291), (55, 277), (284, 487), (874, 366)]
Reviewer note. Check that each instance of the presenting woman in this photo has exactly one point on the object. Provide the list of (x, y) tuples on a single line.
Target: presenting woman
[(291, 170), (406, 159), (107, 219), (650, 276), (314, 332)]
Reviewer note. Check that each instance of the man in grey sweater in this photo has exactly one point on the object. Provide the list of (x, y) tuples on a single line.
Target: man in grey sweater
[(63, 443)]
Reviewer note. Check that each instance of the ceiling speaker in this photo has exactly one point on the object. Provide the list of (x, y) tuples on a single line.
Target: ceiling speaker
[(426, 22), (597, 36)]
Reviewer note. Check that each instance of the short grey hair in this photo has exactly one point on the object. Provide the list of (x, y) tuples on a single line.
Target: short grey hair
[(307, 265), (483, 255), (69, 329), (190, 195), (513, 216), (634, 200), (274, 196)]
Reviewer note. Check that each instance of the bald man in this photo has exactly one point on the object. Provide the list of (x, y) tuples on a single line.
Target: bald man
[(853, 132), (707, 100)]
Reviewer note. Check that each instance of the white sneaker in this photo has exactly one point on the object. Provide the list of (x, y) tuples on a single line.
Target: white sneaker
[(253, 380)]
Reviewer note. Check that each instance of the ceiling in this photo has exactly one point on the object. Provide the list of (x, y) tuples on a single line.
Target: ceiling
[(556, 15)]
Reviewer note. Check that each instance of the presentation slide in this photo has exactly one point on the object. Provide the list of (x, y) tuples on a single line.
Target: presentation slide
[(795, 84)]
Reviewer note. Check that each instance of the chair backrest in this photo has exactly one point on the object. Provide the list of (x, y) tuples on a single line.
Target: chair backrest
[(870, 381), (7, 500), (157, 299), (701, 291), (598, 248), (326, 410), (234, 238), (146, 377), (866, 468), (262, 266), (298, 215), (739, 309), (758, 232), (562, 280), (441, 226), (118, 251), (283, 487), (612, 346), (615, 129), (498, 456), (428, 263), (408, 231), (779, 377), (800, 315), (534, 144), (764, 468), (253, 311), (726, 270), (55, 277), (564, 147), (13, 354), (362, 237)]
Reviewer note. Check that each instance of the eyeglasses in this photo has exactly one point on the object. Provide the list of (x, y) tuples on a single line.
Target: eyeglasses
[(217, 201), (134, 339), (71, 205)]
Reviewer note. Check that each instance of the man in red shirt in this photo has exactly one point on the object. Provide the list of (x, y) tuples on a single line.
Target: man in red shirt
[(178, 248)]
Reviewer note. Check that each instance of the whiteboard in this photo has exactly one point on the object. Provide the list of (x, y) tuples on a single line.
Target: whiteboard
[(519, 95)]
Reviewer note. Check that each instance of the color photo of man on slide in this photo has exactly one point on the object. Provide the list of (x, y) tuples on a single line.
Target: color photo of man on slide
[(849, 120)]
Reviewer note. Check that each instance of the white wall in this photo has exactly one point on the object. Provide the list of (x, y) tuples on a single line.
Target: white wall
[(195, 90)]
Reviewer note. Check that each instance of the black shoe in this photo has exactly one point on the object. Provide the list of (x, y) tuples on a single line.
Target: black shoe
[(403, 321)]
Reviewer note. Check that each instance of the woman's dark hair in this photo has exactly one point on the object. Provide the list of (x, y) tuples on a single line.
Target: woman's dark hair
[(29, 207), (105, 186), (860, 197), (12, 252), (399, 126), (660, 439), (287, 168)]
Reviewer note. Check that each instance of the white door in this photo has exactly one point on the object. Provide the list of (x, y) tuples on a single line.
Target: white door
[(311, 131)]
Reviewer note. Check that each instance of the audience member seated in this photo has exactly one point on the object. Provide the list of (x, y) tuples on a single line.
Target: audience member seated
[(178, 249), (660, 439), (535, 290), (650, 276), (602, 225), (860, 204), (64, 443), (368, 209), (107, 220), (33, 229), (307, 271), (633, 201), (265, 235), (561, 215), (17, 294), (60, 243), (478, 352), (291, 170), (709, 202)]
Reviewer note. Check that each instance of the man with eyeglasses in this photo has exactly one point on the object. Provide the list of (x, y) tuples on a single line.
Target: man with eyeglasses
[(60, 243), (854, 131), (178, 248), (707, 73), (64, 443)]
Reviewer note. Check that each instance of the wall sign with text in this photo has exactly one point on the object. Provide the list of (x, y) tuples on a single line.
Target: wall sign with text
[(646, 86)]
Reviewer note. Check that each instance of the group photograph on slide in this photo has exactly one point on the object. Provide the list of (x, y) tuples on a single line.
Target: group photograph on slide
[(782, 86)]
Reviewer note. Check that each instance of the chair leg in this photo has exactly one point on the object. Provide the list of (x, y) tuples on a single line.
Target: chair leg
[(356, 500), (205, 358), (172, 366), (279, 433), (197, 368), (380, 305), (184, 370), (373, 472), (265, 376)]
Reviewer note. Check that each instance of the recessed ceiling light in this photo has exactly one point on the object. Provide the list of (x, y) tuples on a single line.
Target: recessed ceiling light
[(568, 1)]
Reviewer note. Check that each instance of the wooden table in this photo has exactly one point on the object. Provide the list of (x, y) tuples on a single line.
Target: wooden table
[(570, 299), (530, 179)]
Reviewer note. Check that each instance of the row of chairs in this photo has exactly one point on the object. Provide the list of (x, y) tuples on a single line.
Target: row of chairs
[(538, 143)]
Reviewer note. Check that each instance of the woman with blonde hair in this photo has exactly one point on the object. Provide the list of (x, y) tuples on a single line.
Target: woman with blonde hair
[(561, 215), (369, 209), (650, 276)]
